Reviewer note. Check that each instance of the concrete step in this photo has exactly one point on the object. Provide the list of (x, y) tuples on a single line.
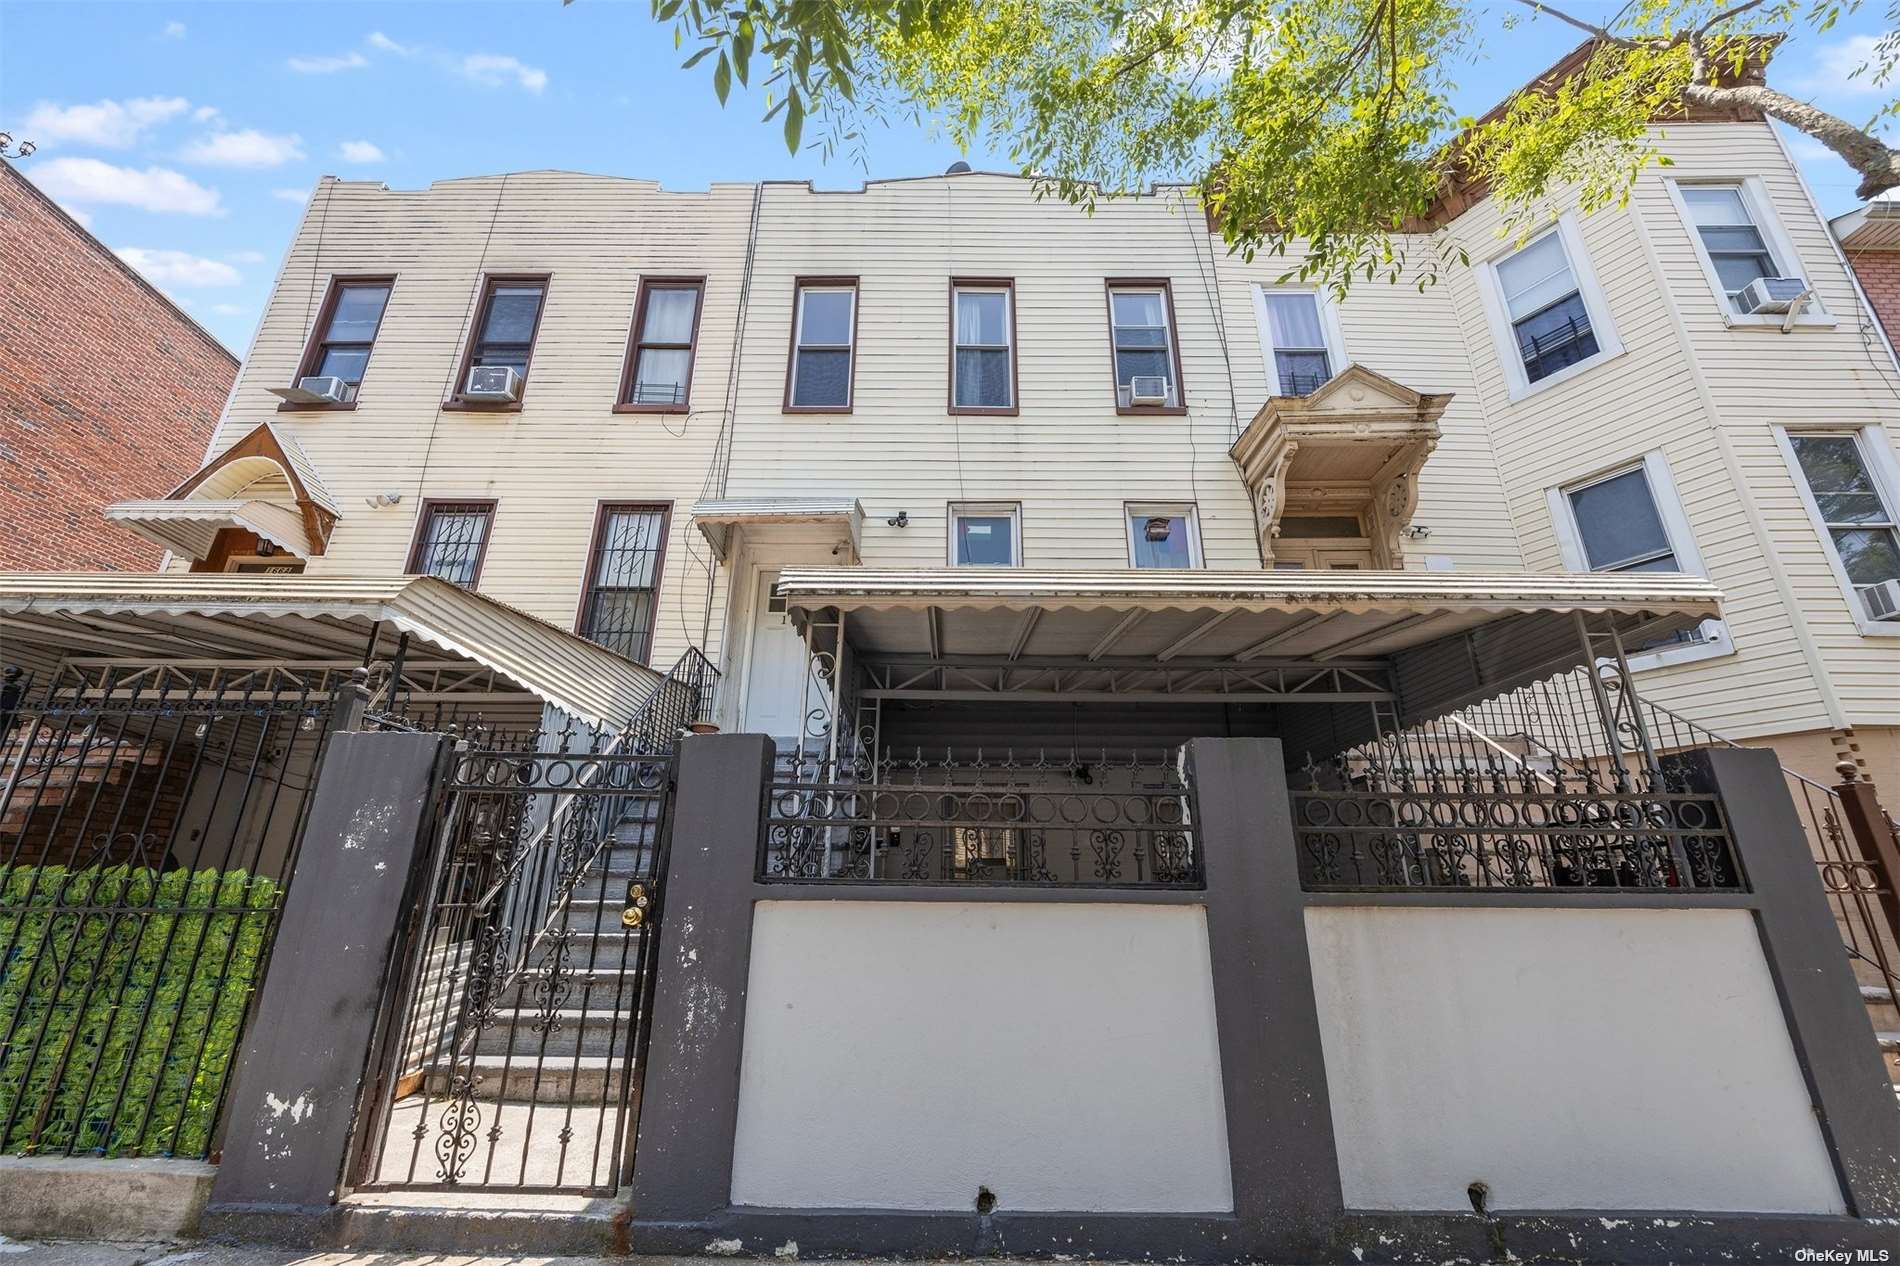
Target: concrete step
[(1881, 1008), (597, 988), (595, 1031), (577, 1079)]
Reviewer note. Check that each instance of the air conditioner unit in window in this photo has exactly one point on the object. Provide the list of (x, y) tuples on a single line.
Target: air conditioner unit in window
[(326, 390), (1771, 294), (493, 383), (1147, 389), (1883, 600)]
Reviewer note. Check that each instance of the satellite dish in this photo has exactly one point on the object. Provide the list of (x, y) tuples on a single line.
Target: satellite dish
[(958, 168)]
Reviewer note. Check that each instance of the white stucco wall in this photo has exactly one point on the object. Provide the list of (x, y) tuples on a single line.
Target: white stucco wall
[(903, 1055), (1568, 1059)]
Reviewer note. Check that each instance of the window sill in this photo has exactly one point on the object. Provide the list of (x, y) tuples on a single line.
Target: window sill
[(286, 406), (816, 408), (981, 411), (1151, 411), (480, 406), (1715, 647), (1521, 390), (653, 408), (1770, 321)]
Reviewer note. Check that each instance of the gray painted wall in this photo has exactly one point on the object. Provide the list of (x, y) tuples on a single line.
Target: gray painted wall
[(1568, 1059), (903, 1055)]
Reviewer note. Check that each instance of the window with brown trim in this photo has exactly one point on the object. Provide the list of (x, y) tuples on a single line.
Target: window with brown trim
[(621, 599), (982, 345), (1143, 343), (659, 373), (824, 345), (452, 540), (345, 332), (505, 327)]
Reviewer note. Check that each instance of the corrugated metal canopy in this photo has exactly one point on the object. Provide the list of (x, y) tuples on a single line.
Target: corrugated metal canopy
[(1450, 638), (313, 617), (190, 528)]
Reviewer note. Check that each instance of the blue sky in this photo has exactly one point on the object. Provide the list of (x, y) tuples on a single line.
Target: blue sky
[(187, 136)]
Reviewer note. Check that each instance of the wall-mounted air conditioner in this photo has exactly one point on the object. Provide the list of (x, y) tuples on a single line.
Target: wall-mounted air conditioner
[(324, 390), (493, 383), (1147, 389), (1766, 295), (1882, 600)]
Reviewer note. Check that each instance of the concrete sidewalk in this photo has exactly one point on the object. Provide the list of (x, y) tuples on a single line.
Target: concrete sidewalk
[(88, 1253)]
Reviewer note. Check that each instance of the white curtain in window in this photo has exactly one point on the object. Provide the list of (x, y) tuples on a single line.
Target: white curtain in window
[(670, 316)]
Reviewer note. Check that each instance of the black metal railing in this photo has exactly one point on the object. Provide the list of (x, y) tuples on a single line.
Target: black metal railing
[(150, 818), (1489, 824), (1069, 819), (513, 1042)]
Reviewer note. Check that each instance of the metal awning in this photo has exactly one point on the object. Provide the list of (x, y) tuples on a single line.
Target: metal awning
[(1442, 639), (841, 519), (189, 528), (49, 616)]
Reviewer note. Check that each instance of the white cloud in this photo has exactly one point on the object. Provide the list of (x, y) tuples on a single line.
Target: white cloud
[(245, 257), (153, 189), (228, 309), (378, 40), (174, 31), (110, 124), (178, 268), (496, 69), (249, 148), (327, 65), (205, 114), (360, 152), (1832, 68)]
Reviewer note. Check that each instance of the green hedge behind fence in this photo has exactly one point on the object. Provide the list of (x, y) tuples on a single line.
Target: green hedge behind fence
[(150, 968)]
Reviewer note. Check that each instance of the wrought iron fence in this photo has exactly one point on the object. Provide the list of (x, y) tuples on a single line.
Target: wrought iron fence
[(1060, 819), (1483, 823), (149, 822), (511, 1047)]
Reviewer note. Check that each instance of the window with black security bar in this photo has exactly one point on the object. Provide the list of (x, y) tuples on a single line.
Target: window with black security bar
[(1301, 362), (624, 579), (453, 540), (1548, 316)]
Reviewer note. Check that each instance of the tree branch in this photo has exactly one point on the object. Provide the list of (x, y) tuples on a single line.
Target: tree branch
[(1601, 32), (1724, 16), (1877, 163)]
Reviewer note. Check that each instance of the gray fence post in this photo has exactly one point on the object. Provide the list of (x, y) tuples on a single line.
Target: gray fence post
[(689, 1101), (289, 1115), (1279, 1118), (1827, 1020)]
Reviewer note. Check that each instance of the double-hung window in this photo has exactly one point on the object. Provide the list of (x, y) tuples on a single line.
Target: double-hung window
[(346, 331), (1142, 338), (506, 324), (986, 534), (824, 345), (623, 579), (1859, 518), (983, 346), (1163, 537), (1730, 238), (452, 540), (1544, 304), (659, 374), (1299, 350), (1632, 520)]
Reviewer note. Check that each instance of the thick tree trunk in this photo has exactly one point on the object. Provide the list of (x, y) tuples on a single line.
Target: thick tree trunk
[(1878, 164)]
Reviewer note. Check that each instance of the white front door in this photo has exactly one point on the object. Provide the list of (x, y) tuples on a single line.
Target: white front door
[(775, 669)]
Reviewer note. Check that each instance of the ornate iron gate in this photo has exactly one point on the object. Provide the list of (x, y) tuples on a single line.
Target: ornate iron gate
[(150, 817), (512, 1042)]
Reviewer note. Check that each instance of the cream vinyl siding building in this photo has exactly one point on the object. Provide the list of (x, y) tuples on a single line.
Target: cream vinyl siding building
[(1698, 401)]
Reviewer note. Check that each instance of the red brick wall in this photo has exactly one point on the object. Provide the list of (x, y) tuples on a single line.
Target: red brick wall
[(1879, 273), (106, 392)]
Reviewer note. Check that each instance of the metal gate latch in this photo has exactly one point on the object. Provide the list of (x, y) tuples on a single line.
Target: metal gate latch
[(636, 912)]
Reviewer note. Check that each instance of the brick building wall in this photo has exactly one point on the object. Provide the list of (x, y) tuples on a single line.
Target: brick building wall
[(1879, 274), (107, 391)]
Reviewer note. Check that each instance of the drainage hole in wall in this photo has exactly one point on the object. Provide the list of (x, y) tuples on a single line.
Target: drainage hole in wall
[(1478, 1194), (985, 1201)]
